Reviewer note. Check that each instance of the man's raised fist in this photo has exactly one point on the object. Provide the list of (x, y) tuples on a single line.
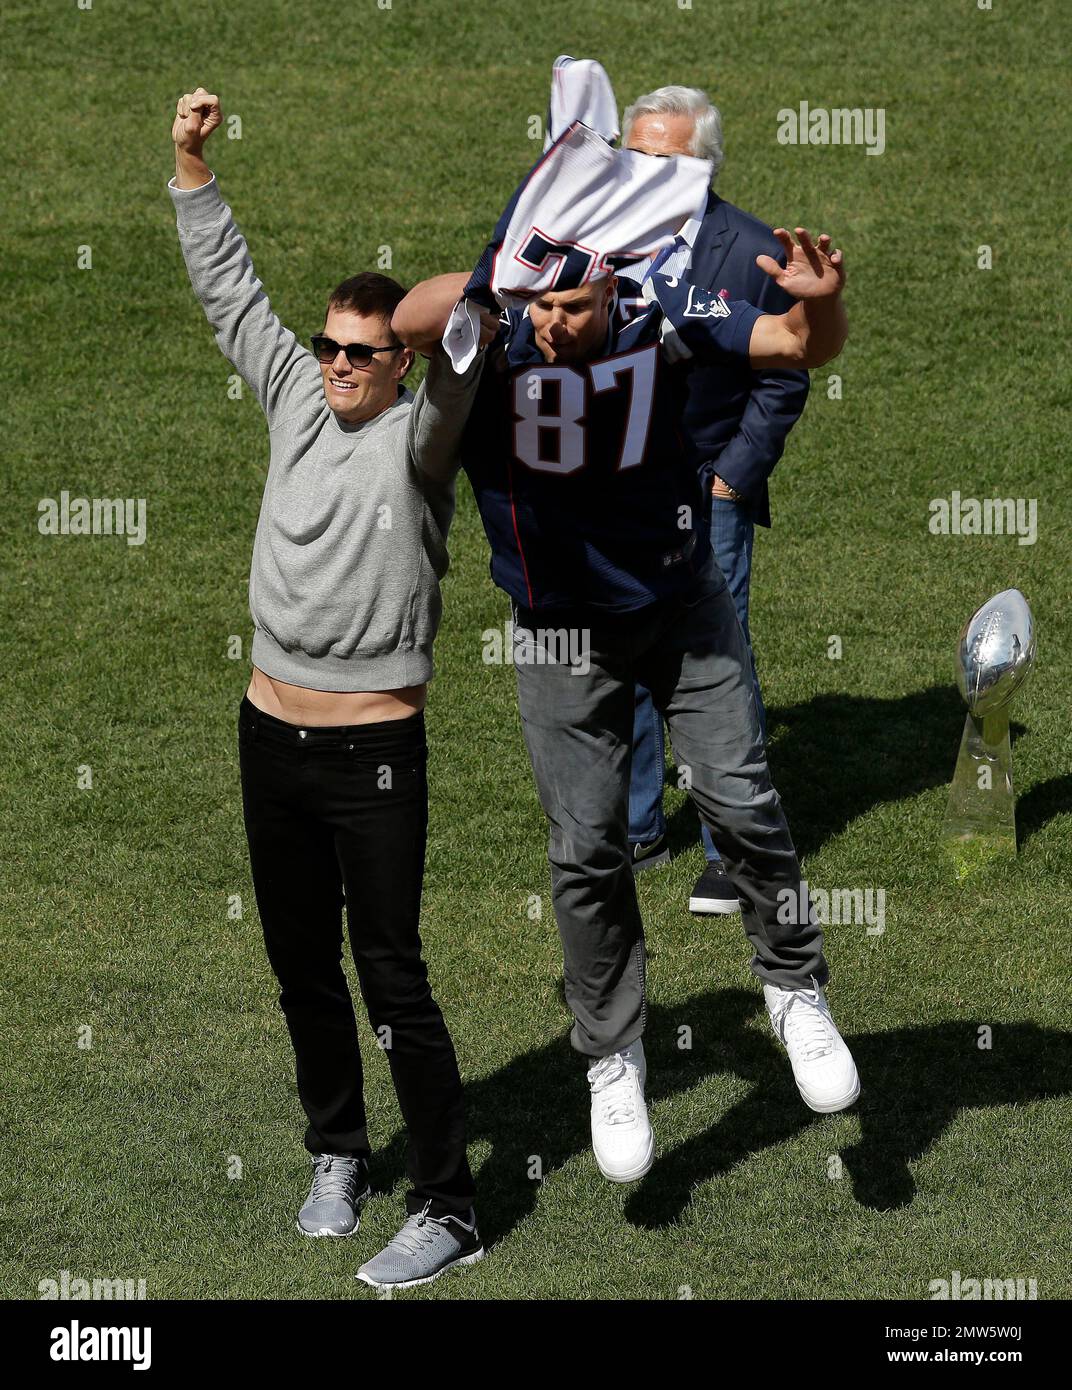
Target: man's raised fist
[(196, 116)]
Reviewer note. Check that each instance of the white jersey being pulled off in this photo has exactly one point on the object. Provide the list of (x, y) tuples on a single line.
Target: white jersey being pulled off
[(581, 213), (580, 91), (587, 208)]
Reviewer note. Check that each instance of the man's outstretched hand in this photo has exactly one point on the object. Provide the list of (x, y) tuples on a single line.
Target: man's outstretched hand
[(197, 115), (811, 271)]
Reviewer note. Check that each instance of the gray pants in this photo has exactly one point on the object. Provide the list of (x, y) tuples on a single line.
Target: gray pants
[(576, 676)]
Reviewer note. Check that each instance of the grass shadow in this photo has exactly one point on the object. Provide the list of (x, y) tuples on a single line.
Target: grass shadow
[(915, 1083), (1041, 804), (835, 757)]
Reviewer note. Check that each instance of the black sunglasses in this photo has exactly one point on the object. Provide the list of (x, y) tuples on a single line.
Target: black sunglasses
[(357, 354)]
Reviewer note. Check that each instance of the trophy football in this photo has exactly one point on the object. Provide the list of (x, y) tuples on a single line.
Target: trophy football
[(994, 655)]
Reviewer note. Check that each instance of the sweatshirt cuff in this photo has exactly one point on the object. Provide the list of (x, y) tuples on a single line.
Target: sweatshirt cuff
[(193, 205)]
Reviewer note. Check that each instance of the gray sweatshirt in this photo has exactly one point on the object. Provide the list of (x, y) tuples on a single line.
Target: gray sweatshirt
[(351, 540)]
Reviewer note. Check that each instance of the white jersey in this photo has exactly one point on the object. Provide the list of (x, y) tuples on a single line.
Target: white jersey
[(580, 214), (584, 210), (580, 91)]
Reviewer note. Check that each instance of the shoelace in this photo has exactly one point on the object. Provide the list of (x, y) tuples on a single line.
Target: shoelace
[(334, 1176), (417, 1232), (617, 1101), (802, 1021)]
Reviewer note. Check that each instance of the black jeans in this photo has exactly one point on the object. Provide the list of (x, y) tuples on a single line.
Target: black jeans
[(344, 811)]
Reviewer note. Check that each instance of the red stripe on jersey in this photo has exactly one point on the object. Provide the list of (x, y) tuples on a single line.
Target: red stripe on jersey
[(517, 537)]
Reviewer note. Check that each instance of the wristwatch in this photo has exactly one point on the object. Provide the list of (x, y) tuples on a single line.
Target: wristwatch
[(735, 496)]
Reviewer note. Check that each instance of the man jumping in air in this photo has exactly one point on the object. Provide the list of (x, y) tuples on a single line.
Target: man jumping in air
[(591, 502)]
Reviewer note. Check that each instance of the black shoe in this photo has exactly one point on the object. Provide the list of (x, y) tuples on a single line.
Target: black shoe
[(650, 854), (714, 893)]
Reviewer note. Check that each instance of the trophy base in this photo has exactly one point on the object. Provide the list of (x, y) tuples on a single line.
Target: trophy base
[(980, 818)]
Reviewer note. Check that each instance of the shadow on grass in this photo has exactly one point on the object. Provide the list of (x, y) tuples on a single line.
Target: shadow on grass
[(835, 757), (1041, 804), (915, 1083)]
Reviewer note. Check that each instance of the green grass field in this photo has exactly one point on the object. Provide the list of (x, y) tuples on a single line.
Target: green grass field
[(408, 128)]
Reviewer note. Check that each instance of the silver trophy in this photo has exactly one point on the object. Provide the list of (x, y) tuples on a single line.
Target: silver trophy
[(994, 655)]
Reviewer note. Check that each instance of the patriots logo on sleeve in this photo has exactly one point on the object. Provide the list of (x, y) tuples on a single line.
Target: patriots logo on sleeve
[(705, 304), (699, 322)]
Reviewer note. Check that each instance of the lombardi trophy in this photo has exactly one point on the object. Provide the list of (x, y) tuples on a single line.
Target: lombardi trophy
[(994, 655)]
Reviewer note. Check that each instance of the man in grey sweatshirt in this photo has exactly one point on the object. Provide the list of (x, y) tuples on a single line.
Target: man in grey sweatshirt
[(344, 594)]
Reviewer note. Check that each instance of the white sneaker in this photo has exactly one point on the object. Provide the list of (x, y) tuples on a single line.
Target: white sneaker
[(822, 1065), (621, 1135)]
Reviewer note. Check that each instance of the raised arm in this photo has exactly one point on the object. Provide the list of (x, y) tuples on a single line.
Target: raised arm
[(283, 375), (773, 405), (814, 330), (421, 319)]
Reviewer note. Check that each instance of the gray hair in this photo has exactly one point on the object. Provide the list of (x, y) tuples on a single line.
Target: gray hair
[(706, 142)]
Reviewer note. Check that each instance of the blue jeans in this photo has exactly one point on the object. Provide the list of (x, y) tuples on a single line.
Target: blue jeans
[(731, 540)]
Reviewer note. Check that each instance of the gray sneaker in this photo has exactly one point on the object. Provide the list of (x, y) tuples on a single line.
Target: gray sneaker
[(425, 1247), (339, 1189)]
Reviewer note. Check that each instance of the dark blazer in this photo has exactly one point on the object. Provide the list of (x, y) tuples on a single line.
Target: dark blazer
[(739, 419)]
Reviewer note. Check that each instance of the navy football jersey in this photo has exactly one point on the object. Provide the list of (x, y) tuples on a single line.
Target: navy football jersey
[(588, 491)]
